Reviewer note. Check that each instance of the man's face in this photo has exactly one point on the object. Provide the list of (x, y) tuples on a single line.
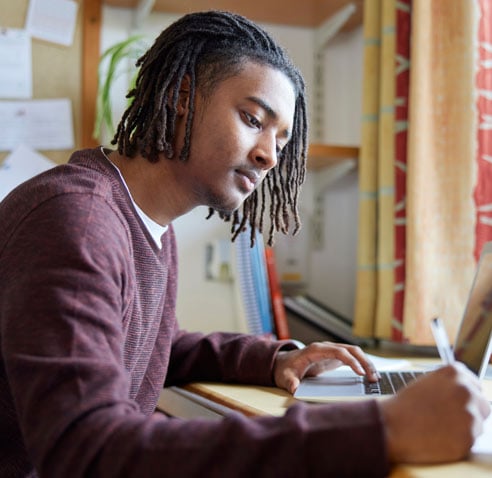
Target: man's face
[(237, 134)]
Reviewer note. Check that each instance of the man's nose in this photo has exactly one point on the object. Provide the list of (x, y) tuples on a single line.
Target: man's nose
[(265, 153)]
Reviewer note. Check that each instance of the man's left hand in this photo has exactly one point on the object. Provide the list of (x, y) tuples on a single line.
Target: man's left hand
[(292, 366)]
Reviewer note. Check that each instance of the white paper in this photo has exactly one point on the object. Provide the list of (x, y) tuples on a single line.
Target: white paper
[(19, 166), (380, 363), (15, 64), (40, 124), (384, 363), (483, 444), (52, 20)]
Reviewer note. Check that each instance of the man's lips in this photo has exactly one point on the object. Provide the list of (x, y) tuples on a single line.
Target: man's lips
[(251, 175)]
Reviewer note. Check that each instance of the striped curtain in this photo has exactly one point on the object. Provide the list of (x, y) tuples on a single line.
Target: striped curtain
[(425, 164), (382, 170)]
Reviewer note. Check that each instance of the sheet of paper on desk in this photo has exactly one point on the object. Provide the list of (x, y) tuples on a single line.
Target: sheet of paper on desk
[(381, 363), (483, 444)]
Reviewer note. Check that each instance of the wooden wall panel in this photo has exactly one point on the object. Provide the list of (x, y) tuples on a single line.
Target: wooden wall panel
[(91, 40)]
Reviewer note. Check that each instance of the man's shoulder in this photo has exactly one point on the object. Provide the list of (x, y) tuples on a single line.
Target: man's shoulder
[(84, 174), (65, 190)]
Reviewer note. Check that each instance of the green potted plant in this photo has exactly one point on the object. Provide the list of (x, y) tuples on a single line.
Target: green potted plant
[(116, 60)]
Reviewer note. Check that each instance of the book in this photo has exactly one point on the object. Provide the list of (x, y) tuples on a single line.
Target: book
[(261, 285), (279, 316), (253, 293)]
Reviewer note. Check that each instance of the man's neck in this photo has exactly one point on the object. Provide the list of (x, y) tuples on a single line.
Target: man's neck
[(153, 186)]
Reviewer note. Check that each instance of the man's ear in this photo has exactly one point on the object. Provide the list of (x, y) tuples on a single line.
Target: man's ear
[(184, 96)]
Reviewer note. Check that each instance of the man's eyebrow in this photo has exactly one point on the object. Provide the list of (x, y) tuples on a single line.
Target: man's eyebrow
[(269, 110)]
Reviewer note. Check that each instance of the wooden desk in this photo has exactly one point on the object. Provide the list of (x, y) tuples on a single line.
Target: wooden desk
[(215, 400)]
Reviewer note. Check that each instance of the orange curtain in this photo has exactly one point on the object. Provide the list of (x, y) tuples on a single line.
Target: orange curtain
[(442, 168)]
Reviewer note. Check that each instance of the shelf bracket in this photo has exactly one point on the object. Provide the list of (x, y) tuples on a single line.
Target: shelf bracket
[(329, 28)]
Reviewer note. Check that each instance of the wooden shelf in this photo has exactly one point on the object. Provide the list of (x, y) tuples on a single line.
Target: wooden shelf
[(322, 155), (310, 13)]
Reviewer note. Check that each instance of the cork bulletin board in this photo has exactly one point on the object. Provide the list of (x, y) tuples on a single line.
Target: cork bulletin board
[(56, 70)]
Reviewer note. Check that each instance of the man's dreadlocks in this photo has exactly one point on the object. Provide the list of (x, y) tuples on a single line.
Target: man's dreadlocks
[(209, 47)]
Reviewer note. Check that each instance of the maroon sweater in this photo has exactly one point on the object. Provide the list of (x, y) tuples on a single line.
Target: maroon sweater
[(88, 337)]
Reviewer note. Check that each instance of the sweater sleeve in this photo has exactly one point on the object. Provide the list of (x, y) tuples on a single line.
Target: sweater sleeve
[(225, 357), (339, 440), (62, 342)]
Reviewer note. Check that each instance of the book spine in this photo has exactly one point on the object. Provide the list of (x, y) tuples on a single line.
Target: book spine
[(279, 315), (245, 281), (261, 284)]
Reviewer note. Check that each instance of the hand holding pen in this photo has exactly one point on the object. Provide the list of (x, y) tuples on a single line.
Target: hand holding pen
[(442, 341)]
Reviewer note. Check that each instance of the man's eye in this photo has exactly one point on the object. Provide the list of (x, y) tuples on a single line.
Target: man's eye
[(253, 120)]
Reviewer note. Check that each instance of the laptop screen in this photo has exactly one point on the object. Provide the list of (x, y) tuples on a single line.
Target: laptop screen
[(473, 344)]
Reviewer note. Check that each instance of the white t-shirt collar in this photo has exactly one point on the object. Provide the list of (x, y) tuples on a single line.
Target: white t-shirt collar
[(154, 228)]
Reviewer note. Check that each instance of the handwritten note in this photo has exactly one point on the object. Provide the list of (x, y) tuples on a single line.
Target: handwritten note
[(52, 20)]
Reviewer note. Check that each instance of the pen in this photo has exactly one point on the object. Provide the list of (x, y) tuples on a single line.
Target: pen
[(442, 341)]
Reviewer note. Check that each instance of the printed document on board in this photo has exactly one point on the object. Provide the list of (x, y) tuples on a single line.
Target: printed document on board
[(52, 20), (15, 64), (41, 124)]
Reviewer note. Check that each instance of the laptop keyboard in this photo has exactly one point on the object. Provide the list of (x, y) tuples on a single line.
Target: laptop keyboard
[(390, 382)]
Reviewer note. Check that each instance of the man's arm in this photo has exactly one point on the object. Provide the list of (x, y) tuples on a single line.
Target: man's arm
[(224, 357)]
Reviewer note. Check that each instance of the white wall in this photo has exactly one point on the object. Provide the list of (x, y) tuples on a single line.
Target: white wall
[(206, 305), (333, 268)]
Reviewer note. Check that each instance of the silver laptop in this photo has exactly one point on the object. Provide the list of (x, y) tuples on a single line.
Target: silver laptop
[(473, 347)]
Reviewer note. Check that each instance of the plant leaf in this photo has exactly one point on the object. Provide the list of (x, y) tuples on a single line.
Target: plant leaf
[(108, 71)]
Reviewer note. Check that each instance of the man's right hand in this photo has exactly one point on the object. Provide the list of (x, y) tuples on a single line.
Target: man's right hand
[(435, 419)]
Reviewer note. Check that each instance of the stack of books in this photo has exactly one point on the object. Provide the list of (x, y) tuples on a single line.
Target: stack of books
[(259, 293)]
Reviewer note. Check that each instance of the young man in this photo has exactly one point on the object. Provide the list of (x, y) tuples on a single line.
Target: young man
[(88, 332)]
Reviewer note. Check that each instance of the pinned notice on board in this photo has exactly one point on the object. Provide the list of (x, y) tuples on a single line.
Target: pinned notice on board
[(15, 64), (52, 20), (19, 166), (41, 124)]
